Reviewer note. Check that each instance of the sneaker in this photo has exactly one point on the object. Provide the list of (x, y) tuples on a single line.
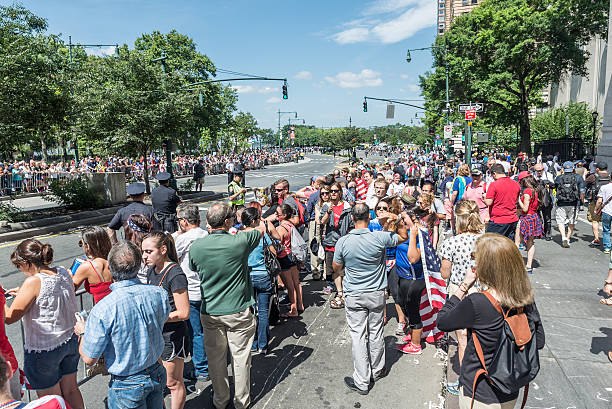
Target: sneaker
[(401, 328), (407, 338), (529, 270), (606, 251), (410, 348), (453, 388), (522, 247), (263, 352), (350, 383), (595, 243), (380, 375), (566, 244)]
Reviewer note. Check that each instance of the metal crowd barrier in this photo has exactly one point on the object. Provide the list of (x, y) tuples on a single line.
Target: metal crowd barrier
[(30, 182)]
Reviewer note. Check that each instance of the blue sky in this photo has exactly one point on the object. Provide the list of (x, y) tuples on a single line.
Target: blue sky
[(332, 52)]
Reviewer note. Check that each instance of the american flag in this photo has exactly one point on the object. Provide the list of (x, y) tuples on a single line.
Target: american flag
[(434, 295)]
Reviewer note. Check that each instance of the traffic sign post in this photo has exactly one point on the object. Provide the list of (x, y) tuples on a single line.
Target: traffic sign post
[(470, 114), (468, 142), (472, 106)]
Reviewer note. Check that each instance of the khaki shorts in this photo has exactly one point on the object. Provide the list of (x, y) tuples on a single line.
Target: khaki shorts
[(465, 402), (566, 215), (591, 216)]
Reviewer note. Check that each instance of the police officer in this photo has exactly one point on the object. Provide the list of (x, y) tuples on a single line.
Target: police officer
[(136, 191), (239, 169), (236, 191), (164, 200)]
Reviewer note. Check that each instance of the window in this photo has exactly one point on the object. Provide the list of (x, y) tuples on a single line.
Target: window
[(441, 12), (474, 1), (441, 31), (442, 5), (441, 25), (465, 2), (441, 19)]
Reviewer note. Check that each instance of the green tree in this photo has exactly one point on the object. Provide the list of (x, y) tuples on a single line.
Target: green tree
[(505, 52), (551, 124)]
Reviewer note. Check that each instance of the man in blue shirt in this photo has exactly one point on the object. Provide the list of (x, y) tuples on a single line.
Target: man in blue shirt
[(126, 327), (362, 255)]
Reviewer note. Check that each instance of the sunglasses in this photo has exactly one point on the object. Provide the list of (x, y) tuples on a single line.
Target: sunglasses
[(81, 243), (334, 191), (279, 190), (324, 193), (381, 208)]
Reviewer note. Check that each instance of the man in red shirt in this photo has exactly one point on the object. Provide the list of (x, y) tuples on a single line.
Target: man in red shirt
[(501, 197)]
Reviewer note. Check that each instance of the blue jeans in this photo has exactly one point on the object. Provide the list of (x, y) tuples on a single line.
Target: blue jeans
[(262, 287), (198, 353), (143, 390), (606, 219)]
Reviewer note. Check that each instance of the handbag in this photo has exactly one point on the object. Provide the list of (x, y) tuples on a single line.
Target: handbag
[(270, 259), (598, 213), (314, 246)]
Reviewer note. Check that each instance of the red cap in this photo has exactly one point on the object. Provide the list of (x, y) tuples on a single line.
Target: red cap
[(523, 175)]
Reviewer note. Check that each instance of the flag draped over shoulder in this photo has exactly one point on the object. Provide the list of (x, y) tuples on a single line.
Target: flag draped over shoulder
[(434, 295)]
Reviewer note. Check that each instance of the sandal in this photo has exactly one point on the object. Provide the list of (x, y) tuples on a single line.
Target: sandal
[(290, 316), (606, 301), (337, 303)]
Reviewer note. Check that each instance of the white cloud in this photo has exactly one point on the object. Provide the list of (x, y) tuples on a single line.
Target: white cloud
[(244, 89), (366, 78), (303, 75), (100, 51), (413, 88), (389, 21), (273, 100), (267, 90), (404, 76)]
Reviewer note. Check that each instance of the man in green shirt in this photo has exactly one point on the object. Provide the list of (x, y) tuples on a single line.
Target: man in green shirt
[(221, 260)]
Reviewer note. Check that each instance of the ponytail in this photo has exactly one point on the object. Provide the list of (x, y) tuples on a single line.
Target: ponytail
[(164, 239)]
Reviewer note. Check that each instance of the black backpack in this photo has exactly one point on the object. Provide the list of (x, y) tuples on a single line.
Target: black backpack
[(516, 361), (567, 189), (594, 188)]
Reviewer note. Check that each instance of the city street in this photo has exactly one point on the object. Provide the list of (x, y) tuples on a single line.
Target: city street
[(310, 357)]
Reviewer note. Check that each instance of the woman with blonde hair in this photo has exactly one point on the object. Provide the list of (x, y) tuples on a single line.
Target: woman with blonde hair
[(499, 266), (455, 253)]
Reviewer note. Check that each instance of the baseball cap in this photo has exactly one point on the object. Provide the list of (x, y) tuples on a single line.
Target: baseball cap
[(408, 199), (523, 175), (568, 165), (476, 172)]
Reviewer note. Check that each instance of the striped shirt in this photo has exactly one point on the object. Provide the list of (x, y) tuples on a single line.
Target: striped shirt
[(362, 189)]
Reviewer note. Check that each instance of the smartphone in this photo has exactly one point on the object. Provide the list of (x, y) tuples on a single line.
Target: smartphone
[(75, 265)]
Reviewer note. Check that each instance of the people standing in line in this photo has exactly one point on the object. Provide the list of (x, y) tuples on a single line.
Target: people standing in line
[(227, 295), (136, 191), (126, 327), (361, 253), (593, 183), (289, 270), (188, 216), (317, 261), (530, 223), (336, 222), (499, 266), (236, 191), (570, 194), (501, 197), (460, 183), (456, 252), (159, 254), (281, 187), (94, 272), (380, 190), (437, 206), (547, 183), (165, 200), (603, 208), (396, 187), (47, 303), (198, 175), (261, 280)]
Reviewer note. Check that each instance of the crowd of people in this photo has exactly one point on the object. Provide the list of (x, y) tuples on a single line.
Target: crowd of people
[(439, 237), (34, 176)]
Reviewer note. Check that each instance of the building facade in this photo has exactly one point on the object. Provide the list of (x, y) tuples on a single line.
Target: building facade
[(448, 10)]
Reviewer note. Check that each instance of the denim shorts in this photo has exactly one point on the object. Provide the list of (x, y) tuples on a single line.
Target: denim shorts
[(45, 369)]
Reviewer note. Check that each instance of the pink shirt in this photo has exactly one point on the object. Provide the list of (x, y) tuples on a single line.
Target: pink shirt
[(475, 194)]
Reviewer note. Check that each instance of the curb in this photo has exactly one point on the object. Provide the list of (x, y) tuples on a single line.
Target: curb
[(60, 224)]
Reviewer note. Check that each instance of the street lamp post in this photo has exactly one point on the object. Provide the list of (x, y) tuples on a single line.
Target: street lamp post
[(595, 114), (70, 45), (168, 141), (280, 136)]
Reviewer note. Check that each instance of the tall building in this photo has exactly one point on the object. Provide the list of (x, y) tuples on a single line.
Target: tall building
[(448, 10)]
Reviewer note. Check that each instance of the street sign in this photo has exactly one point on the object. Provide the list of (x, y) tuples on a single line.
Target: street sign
[(470, 114), (292, 128), (482, 137), (474, 106), (390, 111), (456, 123), (448, 131)]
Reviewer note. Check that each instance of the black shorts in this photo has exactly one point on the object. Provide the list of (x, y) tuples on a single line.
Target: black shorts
[(393, 284), (286, 263), (176, 341), (410, 292)]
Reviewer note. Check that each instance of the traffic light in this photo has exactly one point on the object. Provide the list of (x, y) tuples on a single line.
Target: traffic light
[(285, 96), (365, 106)]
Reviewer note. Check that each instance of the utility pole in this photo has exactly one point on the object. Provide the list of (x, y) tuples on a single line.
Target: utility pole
[(280, 136)]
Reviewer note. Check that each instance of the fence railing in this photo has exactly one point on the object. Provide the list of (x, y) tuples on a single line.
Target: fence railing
[(15, 183)]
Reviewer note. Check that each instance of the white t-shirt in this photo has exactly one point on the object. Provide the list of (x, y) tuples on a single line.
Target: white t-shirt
[(395, 189), (605, 192), (183, 244)]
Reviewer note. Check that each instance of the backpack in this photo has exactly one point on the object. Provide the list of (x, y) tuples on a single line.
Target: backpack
[(567, 190), (516, 361), (299, 248), (271, 261), (594, 188)]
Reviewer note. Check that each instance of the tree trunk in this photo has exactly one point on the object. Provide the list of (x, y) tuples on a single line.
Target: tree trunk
[(525, 129), (43, 145), (146, 172), (64, 150)]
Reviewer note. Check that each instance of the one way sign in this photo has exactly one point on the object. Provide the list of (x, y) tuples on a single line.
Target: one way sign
[(474, 106)]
